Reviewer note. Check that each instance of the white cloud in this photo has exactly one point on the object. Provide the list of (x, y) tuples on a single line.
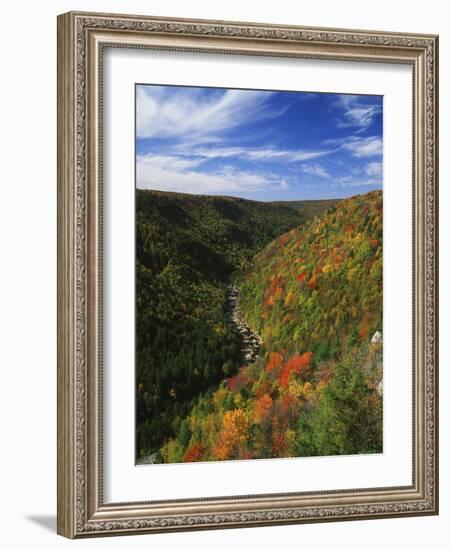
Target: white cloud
[(315, 170), (374, 169), (162, 161), (357, 114), (168, 112), (363, 147), (170, 173)]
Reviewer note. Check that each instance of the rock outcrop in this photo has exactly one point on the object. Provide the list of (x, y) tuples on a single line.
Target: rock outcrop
[(377, 338)]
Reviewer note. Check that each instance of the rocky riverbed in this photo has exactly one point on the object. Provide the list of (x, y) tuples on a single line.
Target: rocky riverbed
[(250, 341)]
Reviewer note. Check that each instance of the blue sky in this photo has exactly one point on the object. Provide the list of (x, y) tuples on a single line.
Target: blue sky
[(261, 145)]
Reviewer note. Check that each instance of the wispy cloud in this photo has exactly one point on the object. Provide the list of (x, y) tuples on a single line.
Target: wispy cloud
[(357, 113), (364, 147), (170, 173), (315, 170), (357, 146), (256, 154), (175, 162), (259, 144), (165, 112)]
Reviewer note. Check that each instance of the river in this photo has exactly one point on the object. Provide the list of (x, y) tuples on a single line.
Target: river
[(250, 341)]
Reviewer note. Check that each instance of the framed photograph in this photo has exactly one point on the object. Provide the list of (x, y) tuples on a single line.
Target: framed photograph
[(247, 274)]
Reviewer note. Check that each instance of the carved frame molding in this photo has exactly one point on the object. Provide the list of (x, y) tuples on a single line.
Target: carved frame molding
[(81, 37)]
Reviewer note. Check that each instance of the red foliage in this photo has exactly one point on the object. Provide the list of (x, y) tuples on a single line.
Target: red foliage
[(301, 277), (279, 442), (312, 283), (245, 455), (237, 382), (286, 404), (363, 332), (194, 453)]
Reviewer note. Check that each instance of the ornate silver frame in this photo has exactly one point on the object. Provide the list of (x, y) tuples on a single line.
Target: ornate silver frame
[(81, 510)]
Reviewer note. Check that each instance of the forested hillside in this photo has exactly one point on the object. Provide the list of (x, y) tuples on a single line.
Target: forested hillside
[(319, 288), (187, 248), (314, 295)]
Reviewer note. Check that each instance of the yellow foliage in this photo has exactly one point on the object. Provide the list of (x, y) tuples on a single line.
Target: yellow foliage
[(351, 275), (308, 391), (238, 399), (295, 387), (233, 434), (291, 436), (219, 397), (209, 426), (171, 451), (289, 298)]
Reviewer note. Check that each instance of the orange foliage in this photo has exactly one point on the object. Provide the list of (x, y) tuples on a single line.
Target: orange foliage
[(274, 290), (194, 453), (299, 364), (275, 360), (350, 228), (261, 408), (337, 260), (262, 389), (301, 277)]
